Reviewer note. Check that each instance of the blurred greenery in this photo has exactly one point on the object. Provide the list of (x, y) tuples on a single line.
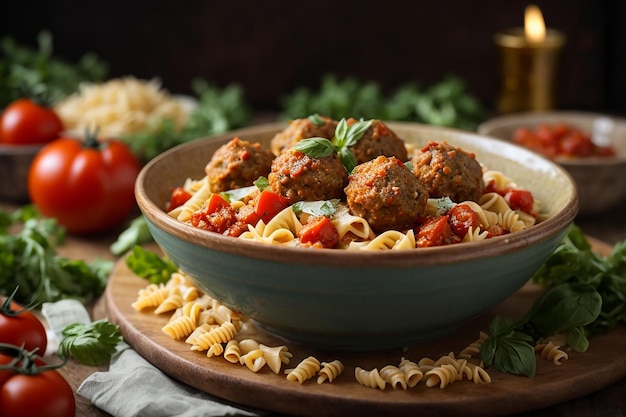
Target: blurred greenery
[(447, 103), (39, 74)]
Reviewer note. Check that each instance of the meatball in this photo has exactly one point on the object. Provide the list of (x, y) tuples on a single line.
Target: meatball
[(385, 193), (449, 171), (237, 164), (298, 129), (300, 177), (379, 140)]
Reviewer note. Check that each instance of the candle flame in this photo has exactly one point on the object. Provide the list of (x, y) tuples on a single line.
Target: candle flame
[(534, 25)]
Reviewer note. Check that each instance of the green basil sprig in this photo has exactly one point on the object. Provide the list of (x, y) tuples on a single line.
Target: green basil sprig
[(345, 137)]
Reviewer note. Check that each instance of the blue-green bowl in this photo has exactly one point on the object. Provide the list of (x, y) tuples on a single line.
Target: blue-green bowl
[(357, 300)]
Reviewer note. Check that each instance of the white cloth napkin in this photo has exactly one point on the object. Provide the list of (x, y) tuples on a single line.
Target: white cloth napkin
[(133, 387)]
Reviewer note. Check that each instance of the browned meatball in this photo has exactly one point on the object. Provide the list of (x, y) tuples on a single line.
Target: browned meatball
[(379, 140), (298, 129), (300, 177), (449, 171), (237, 164), (385, 193)]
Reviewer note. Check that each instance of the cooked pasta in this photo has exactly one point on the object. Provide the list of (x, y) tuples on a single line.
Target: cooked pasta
[(391, 239)]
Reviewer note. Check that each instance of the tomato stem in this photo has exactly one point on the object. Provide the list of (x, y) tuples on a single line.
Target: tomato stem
[(91, 138), (5, 308), (25, 362)]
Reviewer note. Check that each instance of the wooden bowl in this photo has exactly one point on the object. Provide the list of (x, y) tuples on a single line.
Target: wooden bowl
[(360, 300), (14, 165)]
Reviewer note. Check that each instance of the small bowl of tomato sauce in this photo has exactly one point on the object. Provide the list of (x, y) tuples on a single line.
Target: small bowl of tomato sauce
[(590, 146)]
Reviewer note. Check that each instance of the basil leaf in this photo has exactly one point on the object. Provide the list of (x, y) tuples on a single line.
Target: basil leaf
[(316, 119), (577, 339), (347, 158), (316, 208), (356, 132), (261, 183), (238, 193), (341, 133), (315, 147), (564, 307)]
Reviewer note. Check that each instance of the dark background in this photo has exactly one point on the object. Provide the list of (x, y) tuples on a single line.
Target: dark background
[(273, 47)]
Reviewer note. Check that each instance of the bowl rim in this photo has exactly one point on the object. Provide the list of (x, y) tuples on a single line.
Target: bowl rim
[(537, 117), (457, 253)]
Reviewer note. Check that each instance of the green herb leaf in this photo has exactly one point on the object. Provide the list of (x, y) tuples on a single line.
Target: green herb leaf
[(150, 266), (261, 183), (136, 233), (315, 147), (316, 119), (91, 344), (238, 193), (347, 158), (28, 259), (316, 208)]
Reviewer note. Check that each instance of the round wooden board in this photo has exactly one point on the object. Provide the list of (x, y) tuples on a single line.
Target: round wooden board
[(603, 364)]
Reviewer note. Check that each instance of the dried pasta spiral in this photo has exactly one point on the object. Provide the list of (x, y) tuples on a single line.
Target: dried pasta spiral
[(394, 376), (329, 371), (412, 372), (369, 379), (220, 334), (551, 352), (305, 370)]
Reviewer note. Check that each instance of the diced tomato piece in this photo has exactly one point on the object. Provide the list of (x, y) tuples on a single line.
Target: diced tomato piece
[(216, 216), (436, 232), (319, 230), (520, 200), (270, 204), (178, 198), (496, 230), (461, 218), (247, 214)]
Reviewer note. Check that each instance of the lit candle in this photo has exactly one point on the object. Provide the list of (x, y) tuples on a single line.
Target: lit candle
[(528, 59)]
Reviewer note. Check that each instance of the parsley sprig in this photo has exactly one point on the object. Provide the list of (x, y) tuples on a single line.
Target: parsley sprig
[(29, 260)]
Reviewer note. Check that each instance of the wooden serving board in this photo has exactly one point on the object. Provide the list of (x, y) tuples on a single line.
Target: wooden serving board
[(603, 364)]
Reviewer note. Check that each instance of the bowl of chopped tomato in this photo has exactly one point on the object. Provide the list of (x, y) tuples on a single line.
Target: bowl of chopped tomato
[(590, 146), (335, 247)]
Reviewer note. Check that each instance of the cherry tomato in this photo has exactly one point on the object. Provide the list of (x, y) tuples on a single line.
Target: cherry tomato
[(436, 232), (23, 328), (270, 204), (24, 122), (43, 394), (461, 218), (87, 185), (179, 197)]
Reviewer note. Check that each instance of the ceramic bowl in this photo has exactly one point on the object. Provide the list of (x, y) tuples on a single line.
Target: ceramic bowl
[(14, 165), (600, 181), (353, 300)]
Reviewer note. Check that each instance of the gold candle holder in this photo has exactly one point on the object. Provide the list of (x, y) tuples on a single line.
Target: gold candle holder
[(528, 69)]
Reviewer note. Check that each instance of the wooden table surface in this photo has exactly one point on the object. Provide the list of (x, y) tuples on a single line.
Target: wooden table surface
[(608, 402)]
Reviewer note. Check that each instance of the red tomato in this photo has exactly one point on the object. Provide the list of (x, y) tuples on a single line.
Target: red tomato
[(88, 186), (461, 218), (520, 199), (179, 197), (319, 231), (270, 204), (436, 232), (43, 394), (23, 328), (25, 122)]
